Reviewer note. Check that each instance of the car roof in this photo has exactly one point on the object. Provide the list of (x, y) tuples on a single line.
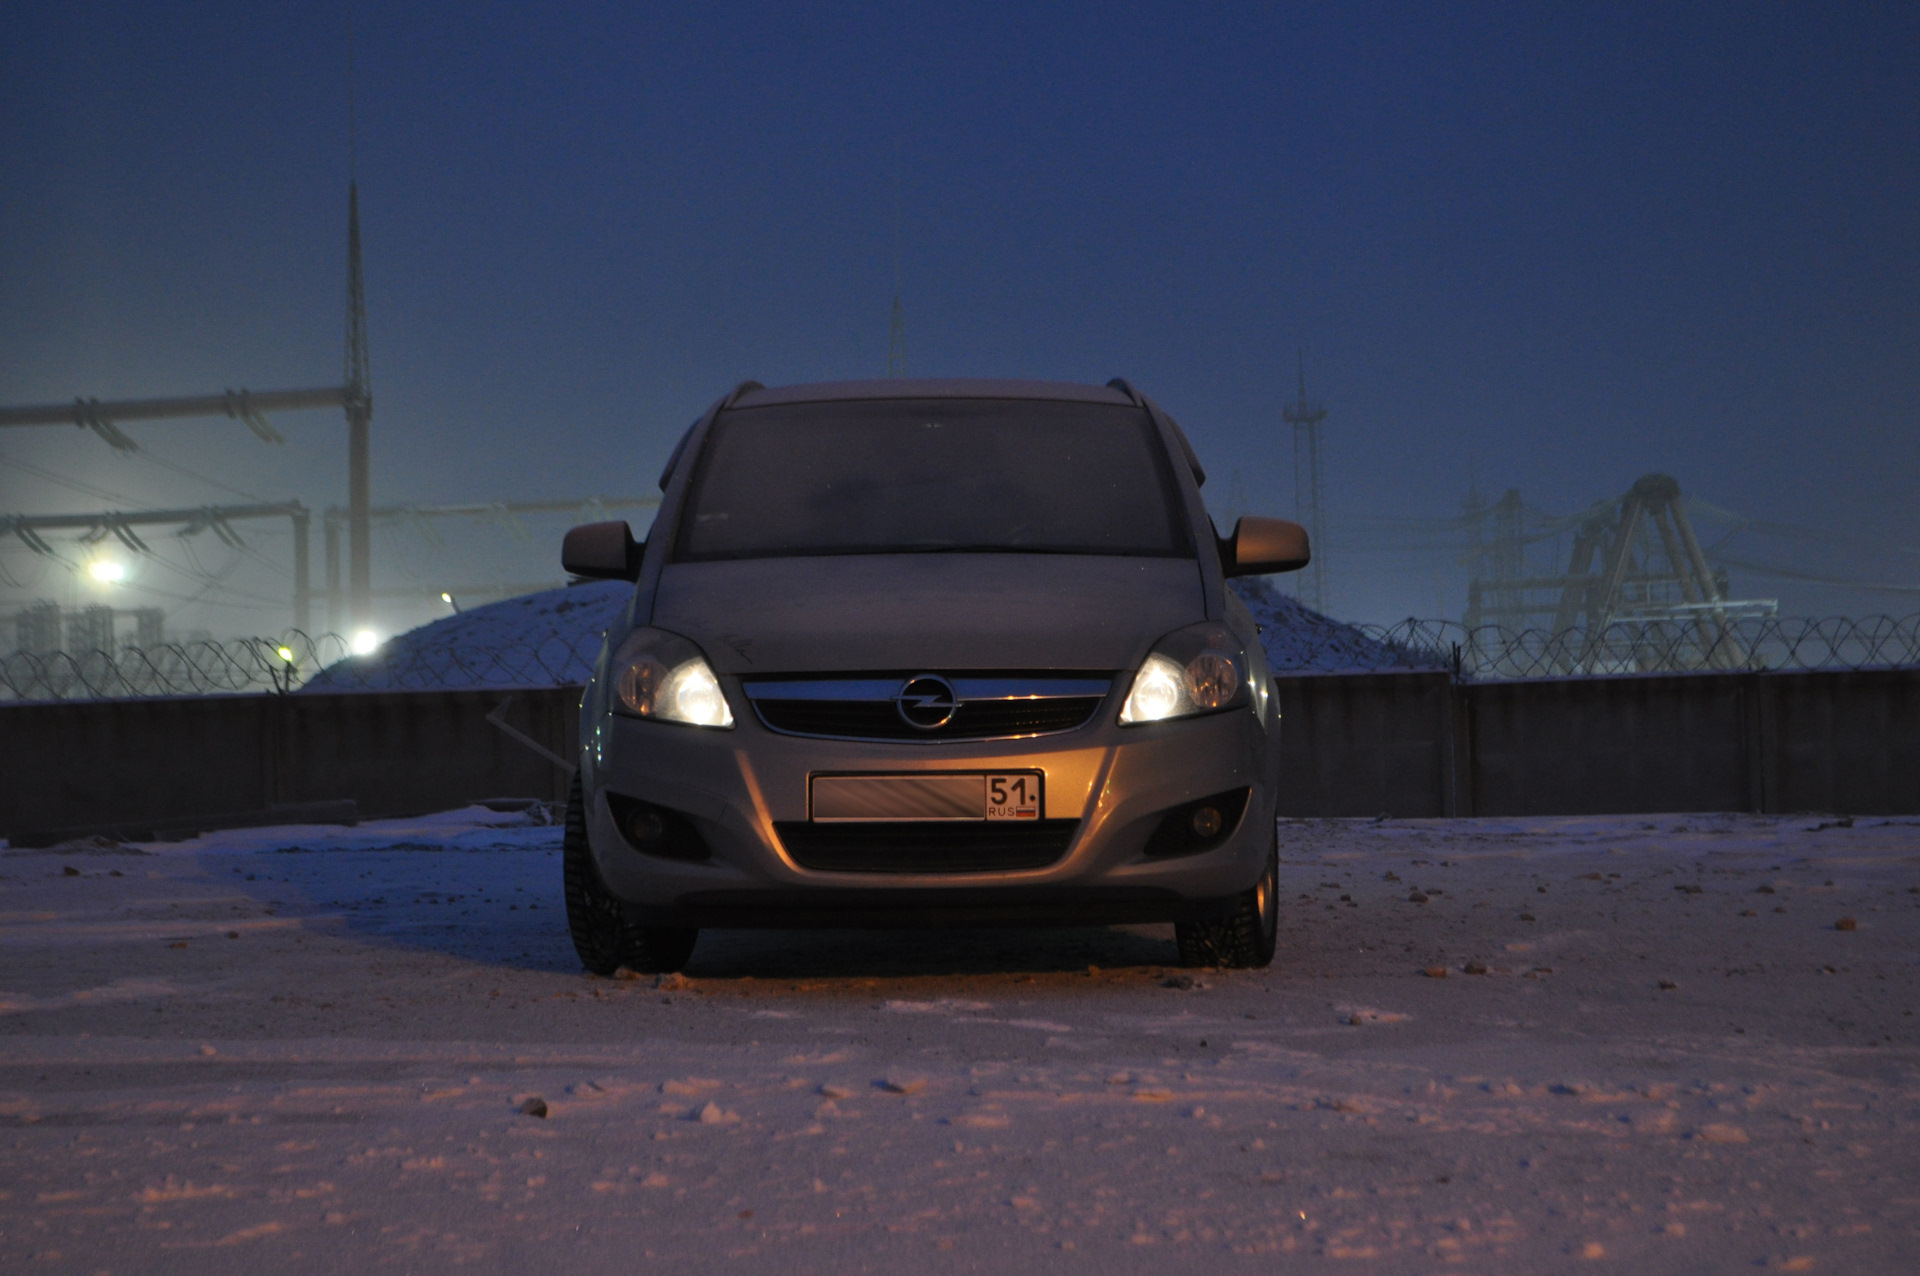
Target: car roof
[(929, 388)]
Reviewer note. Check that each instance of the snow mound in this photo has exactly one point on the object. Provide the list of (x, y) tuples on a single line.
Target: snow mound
[(1298, 639), (535, 640), (552, 639)]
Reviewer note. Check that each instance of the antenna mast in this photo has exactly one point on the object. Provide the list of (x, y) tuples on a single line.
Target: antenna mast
[(1305, 416), (897, 325), (358, 387)]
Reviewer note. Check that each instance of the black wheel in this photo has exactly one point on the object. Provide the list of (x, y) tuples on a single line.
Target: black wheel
[(1244, 939), (604, 934)]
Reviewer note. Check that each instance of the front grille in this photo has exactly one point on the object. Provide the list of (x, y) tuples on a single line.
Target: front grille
[(983, 846), (972, 720)]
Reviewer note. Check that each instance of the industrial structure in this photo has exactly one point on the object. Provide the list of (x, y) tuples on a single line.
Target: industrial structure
[(354, 395), (1635, 559), (44, 626), (1309, 508), (39, 628)]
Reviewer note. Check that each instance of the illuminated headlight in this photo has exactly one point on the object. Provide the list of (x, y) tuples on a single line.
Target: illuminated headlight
[(663, 676), (1199, 669)]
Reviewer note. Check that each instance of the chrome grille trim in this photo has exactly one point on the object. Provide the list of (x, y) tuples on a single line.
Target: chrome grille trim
[(987, 706), (965, 689)]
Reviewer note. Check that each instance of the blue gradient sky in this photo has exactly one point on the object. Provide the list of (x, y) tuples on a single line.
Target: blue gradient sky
[(1547, 247)]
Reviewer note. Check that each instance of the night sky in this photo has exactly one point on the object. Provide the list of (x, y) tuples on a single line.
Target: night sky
[(1543, 247)]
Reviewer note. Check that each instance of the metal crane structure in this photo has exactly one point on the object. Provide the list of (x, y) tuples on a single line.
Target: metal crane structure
[(1309, 509), (354, 395), (1633, 560)]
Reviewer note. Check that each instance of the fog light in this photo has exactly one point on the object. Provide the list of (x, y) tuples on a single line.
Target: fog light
[(645, 827), (657, 830), (1207, 822)]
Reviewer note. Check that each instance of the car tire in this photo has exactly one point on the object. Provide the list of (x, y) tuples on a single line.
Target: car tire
[(604, 933), (1245, 938)]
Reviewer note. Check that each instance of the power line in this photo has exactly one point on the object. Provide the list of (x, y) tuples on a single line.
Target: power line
[(121, 497), (75, 484), (1814, 578), (146, 455)]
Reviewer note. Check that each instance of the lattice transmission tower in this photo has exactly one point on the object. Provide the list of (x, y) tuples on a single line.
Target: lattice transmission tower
[(1309, 506)]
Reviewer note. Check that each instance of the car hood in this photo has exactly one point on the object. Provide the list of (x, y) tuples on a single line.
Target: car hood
[(907, 612)]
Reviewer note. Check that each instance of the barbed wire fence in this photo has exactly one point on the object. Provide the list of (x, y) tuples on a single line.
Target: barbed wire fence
[(1753, 644), (294, 663), (313, 663)]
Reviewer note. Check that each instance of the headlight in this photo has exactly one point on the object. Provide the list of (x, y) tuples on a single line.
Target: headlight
[(1199, 669), (663, 676)]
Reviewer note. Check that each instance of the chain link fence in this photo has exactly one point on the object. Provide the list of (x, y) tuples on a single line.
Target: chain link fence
[(300, 662)]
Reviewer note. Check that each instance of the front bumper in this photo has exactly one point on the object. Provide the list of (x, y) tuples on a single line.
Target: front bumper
[(1118, 783)]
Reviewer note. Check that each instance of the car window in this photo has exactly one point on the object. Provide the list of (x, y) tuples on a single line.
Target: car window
[(932, 475)]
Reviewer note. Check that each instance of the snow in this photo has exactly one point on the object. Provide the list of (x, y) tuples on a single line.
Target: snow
[(1298, 639), (310, 1048), (536, 640)]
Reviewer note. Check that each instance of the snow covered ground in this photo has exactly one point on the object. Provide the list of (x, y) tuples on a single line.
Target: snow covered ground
[(311, 1049)]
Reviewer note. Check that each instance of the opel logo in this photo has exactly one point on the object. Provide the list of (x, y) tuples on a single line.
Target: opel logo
[(926, 701)]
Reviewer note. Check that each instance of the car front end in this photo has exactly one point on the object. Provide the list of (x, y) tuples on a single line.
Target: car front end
[(986, 713)]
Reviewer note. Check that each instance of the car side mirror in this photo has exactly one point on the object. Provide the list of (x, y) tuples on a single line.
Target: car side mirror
[(1262, 545), (602, 551)]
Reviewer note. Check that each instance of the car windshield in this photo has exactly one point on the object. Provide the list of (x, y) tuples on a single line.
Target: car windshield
[(931, 476)]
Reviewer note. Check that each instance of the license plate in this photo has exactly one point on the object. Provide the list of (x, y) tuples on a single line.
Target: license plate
[(928, 796)]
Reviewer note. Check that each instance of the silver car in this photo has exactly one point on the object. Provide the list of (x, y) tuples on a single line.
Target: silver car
[(920, 653)]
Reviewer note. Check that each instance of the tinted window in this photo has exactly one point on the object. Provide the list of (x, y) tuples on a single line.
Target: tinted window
[(932, 475)]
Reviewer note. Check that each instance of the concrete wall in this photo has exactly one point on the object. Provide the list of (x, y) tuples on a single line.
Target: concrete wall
[(1842, 742), (1401, 744), (1417, 745), (155, 761), (1606, 746), (1367, 744)]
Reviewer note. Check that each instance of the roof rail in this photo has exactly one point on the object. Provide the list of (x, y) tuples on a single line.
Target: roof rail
[(1193, 459), (666, 475)]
